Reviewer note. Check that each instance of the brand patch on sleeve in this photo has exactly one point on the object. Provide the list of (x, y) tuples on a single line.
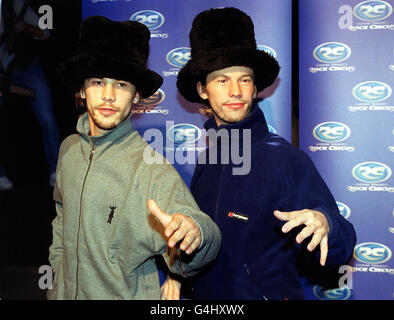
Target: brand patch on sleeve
[(238, 216)]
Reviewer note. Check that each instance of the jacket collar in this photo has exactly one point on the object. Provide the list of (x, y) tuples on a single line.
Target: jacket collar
[(111, 139), (254, 121)]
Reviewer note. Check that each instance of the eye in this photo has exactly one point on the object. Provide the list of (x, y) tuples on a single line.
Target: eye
[(246, 80), (221, 80), (97, 82), (122, 84)]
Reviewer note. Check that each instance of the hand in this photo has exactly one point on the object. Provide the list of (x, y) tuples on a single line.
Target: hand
[(171, 289), (315, 223), (177, 227)]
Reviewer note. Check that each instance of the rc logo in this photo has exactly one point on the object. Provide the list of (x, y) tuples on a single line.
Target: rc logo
[(344, 210), (155, 99), (372, 91), (332, 294), (332, 52), (372, 11), (183, 133), (267, 49), (152, 19), (372, 253), (178, 57), (371, 172), (331, 132)]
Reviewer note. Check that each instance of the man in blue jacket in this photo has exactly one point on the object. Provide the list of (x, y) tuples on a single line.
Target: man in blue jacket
[(280, 207)]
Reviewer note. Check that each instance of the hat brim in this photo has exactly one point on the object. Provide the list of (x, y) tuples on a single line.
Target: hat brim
[(86, 65), (265, 69)]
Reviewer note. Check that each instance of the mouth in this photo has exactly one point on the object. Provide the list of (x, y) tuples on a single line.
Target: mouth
[(235, 105), (107, 111)]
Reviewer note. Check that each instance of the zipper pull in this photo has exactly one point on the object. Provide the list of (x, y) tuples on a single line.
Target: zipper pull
[(91, 154)]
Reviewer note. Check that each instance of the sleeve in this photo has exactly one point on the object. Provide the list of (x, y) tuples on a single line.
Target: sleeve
[(306, 189), (172, 195)]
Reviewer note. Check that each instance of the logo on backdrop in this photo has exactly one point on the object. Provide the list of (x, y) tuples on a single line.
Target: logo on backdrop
[(151, 105), (371, 256), (332, 294), (331, 135), (371, 174), (183, 134), (331, 57), (372, 253), (344, 210), (177, 58), (267, 49), (371, 91), (372, 96), (366, 15), (153, 20), (332, 52)]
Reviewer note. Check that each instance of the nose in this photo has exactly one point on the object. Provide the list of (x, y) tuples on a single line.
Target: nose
[(108, 93), (235, 89)]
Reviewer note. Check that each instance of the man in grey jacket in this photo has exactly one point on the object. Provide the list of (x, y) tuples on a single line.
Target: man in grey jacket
[(115, 212)]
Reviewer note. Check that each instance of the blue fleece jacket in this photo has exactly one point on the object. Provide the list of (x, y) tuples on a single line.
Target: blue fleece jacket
[(257, 260)]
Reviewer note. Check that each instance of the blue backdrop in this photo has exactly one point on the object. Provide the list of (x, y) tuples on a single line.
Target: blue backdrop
[(346, 106), (346, 127)]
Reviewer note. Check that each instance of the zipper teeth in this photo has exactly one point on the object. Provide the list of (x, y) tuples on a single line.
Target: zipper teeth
[(79, 219), (219, 189)]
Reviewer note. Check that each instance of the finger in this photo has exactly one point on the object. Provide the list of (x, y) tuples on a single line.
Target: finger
[(323, 250), (158, 213), (316, 239), (294, 222), (196, 243), (164, 290), (284, 216), (305, 233), (179, 234), (173, 291), (189, 241)]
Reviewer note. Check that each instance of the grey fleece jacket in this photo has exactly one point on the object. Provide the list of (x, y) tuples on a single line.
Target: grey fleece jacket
[(104, 238)]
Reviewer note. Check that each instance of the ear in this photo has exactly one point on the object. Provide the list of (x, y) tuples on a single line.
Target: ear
[(202, 92), (136, 98), (255, 92), (82, 93)]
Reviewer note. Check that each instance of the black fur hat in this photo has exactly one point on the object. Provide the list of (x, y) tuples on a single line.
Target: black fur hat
[(111, 49), (221, 38)]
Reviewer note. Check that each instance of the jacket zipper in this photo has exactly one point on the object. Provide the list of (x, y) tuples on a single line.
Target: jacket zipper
[(80, 215), (219, 190)]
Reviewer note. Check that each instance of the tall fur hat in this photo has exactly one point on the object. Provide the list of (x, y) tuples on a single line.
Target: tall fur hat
[(111, 49), (221, 38)]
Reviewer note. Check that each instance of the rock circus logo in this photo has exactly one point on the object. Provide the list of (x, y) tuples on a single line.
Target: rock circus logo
[(344, 210), (372, 11), (332, 52), (371, 91), (371, 172), (152, 19), (267, 49), (178, 57), (183, 133), (372, 253), (331, 294), (331, 131), (155, 99)]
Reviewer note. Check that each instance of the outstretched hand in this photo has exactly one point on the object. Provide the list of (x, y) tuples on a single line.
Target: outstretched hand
[(177, 227), (316, 224)]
